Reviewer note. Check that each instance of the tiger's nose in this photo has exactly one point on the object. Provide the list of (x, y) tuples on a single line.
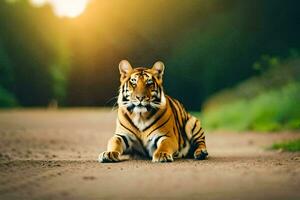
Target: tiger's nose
[(140, 98)]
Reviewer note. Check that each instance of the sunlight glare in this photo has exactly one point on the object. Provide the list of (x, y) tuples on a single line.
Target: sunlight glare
[(64, 8), (39, 3)]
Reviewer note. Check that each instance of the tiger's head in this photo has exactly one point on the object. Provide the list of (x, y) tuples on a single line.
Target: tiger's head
[(141, 88)]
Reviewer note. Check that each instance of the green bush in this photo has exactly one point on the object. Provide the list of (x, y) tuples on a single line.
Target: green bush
[(274, 110), (293, 145), (273, 76)]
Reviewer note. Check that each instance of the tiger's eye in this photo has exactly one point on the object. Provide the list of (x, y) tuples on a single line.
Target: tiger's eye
[(149, 82), (133, 81)]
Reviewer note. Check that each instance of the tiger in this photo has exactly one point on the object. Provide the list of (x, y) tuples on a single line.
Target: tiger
[(151, 123)]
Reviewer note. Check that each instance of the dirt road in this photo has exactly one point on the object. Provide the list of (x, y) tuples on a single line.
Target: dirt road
[(52, 155)]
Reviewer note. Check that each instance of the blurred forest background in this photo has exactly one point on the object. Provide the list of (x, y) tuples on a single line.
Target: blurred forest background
[(238, 59)]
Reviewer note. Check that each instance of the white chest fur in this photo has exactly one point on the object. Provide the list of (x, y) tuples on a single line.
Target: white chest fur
[(141, 122)]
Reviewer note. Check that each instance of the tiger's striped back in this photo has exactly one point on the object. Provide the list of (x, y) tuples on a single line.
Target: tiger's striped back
[(190, 133)]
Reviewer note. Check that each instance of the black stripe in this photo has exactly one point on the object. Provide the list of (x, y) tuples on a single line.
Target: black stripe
[(156, 100), (195, 140), (196, 133), (159, 91), (155, 85), (179, 128), (200, 142), (126, 127), (180, 113), (160, 125), (198, 136), (199, 130), (152, 111), (125, 87), (179, 138), (156, 140), (176, 118), (125, 140), (194, 143), (173, 106), (145, 152), (194, 127), (130, 108), (124, 98), (202, 134), (156, 120), (173, 109), (140, 141), (129, 120), (183, 112)]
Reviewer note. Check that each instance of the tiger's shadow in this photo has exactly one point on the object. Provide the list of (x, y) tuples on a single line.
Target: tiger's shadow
[(210, 158)]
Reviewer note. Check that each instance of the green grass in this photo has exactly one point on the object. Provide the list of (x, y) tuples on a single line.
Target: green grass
[(292, 146), (273, 110)]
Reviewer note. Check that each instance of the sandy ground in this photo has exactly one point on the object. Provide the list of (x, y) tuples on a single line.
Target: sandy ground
[(48, 154)]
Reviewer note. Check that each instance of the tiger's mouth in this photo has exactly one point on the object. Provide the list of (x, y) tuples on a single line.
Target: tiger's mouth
[(140, 104), (140, 107), (147, 106)]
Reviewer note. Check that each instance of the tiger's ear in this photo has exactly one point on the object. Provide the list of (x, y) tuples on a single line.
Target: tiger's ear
[(124, 68), (159, 68)]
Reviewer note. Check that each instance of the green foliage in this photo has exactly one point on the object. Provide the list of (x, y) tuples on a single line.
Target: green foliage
[(206, 45), (6, 68), (33, 54), (265, 63), (272, 76), (292, 146), (7, 100), (274, 110), (58, 72)]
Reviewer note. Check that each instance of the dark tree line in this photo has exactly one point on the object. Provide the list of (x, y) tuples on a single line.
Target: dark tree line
[(206, 45)]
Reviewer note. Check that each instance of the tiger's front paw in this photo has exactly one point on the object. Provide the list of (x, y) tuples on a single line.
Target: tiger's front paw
[(200, 154), (109, 156), (162, 157)]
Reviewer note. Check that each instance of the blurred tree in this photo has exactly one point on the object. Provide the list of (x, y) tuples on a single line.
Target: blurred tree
[(37, 57), (206, 45), (6, 70), (7, 99)]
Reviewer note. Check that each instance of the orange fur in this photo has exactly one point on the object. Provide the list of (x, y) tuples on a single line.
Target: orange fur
[(151, 123)]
